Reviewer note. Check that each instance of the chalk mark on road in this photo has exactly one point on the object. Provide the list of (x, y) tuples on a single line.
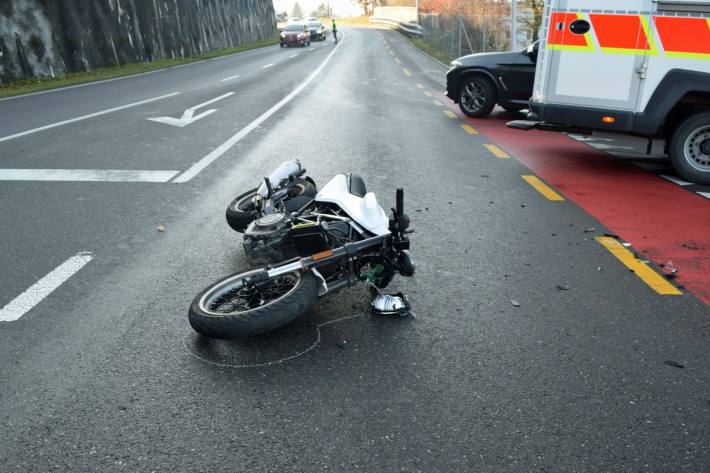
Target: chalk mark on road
[(44, 287)]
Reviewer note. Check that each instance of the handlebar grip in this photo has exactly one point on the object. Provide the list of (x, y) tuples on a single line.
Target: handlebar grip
[(400, 202)]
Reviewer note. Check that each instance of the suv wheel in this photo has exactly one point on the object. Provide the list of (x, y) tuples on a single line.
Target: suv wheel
[(690, 148), (477, 96)]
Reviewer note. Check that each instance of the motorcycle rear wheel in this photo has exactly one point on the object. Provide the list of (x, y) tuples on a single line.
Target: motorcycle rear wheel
[(226, 309)]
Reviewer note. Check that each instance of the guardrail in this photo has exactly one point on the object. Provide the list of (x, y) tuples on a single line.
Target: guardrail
[(412, 29)]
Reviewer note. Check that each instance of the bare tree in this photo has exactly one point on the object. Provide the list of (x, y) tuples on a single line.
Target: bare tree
[(534, 21)]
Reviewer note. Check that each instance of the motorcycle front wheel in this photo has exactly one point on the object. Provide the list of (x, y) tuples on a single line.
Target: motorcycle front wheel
[(228, 309), (242, 211)]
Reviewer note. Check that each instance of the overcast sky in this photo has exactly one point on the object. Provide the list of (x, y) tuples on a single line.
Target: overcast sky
[(339, 7)]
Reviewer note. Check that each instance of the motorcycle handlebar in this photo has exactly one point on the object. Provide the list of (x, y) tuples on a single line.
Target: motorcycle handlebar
[(400, 202)]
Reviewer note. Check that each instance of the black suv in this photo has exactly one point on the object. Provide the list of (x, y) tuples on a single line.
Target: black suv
[(479, 81)]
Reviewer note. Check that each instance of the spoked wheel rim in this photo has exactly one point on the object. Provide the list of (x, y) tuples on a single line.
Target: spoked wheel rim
[(697, 149), (473, 96), (232, 297)]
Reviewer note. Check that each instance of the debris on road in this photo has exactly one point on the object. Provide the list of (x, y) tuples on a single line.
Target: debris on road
[(515, 303), (674, 364), (342, 343), (563, 287), (669, 270), (590, 230), (161, 228)]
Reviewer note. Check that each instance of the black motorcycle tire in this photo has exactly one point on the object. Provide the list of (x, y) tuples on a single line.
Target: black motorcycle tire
[(241, 211), (254, 321)]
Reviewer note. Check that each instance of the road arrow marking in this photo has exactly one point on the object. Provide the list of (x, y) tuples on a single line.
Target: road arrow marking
[(188, 116)]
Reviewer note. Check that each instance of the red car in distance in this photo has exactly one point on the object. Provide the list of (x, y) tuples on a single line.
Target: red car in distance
[(295, 34)]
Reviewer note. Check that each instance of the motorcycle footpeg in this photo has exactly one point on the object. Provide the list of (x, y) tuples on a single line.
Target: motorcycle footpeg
[(392, 305)]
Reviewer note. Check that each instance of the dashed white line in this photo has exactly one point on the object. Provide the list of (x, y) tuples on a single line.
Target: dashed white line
[(268, 65), (230, 78), (44, 287), (293, 55), (85, 117), (311, 49), (200, 165), (85, 175), (675, 180)]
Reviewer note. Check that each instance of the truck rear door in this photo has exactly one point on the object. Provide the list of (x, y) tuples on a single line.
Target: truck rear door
[(596, 52)]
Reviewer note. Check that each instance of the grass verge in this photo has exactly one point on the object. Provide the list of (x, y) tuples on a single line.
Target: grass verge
[(27, 86), (431, 51)]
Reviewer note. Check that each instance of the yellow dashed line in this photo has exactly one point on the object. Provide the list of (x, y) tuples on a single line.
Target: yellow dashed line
[(469, 129), (396, 59), (497, 152), (450, 114), (543, 188), (654, 280), (437, 103), (406, 71), (427, 93), (392, 53), (419, 86)]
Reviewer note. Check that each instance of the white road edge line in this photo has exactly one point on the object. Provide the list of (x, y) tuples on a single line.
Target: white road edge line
[(85, 117), (705, 194), (293, 55), (23, 303), (268, 65), (230, 78), (215, 154), (676, 180), (86, 175)]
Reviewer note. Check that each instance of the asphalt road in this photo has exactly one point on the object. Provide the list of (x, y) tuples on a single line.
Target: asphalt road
[(105, 374)]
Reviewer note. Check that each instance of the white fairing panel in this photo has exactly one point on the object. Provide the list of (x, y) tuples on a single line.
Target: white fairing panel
[(365, 211)]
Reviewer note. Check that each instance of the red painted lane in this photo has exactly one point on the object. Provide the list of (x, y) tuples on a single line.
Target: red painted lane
[(660, 219)]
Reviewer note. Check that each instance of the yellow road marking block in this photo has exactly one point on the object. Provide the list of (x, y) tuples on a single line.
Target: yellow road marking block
[(427, 93), (419, 86), (654, 280), (543, 188), (437, 103), (391, 52), (450, 114), (406, 71), (396, 59), (469, 129), (497, 152)]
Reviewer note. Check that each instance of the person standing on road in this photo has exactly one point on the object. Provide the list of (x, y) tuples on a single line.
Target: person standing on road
[(335, 31)]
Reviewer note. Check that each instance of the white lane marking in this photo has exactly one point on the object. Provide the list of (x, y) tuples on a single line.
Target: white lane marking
[(268, 65), (200, 165), (85, 117), (705, 194), (311, 49), (85, 175), (86, 84), (230, 78), (293, 55), (606, 146), (23, 303), (187, 116), (675, 180)]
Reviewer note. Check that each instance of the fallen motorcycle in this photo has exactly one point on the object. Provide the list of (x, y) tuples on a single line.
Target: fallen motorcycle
[(340, 238), (286, 189)]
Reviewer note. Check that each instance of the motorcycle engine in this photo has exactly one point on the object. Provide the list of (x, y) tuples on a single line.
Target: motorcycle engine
[(264, 238)]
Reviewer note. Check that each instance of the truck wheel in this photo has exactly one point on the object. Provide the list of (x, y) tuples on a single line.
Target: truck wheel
[(477, 96), (690, 148)]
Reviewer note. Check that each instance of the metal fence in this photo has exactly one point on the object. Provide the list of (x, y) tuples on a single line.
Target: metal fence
[(456, 36)]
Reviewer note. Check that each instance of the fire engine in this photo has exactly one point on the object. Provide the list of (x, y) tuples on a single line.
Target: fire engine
[(640, 67)]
